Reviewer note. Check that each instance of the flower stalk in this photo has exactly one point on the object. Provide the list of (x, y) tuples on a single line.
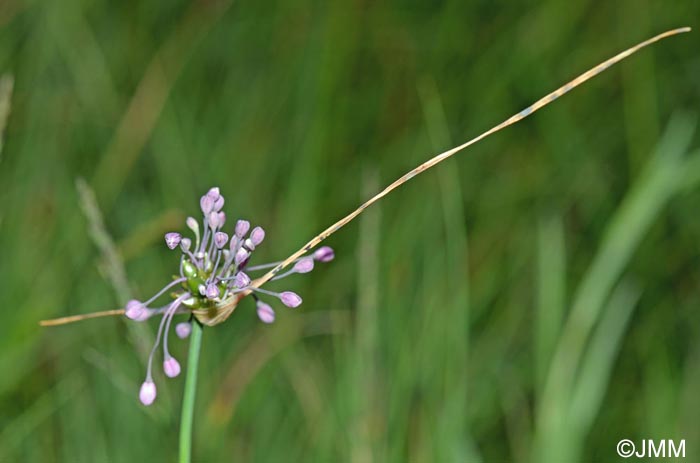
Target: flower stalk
[(187, 415)]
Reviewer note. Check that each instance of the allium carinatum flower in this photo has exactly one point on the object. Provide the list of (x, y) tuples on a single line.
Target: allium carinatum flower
[(213, 269)]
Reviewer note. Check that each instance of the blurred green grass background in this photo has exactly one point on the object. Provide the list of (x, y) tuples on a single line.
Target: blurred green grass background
[(533, 299)]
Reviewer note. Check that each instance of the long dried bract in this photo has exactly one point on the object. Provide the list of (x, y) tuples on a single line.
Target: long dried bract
[(77, 318), (544, 101), (223, 311)]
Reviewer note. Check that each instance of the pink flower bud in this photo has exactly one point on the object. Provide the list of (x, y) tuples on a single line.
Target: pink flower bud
[(242, 227), (219, 203), (207, 204), (304, 265), (135, 310), (212, 291), (290, 299), (213, 219), (241, 256), (183, 329), (257, 235), (172, 239), (171, 367), (265, 312), (242, 280), (324, 254), (214, 193), (220, 239), (147, 394)]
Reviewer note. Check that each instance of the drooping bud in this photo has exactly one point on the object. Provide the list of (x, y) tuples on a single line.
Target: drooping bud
[(183, 329), (305, 265), (242, 227), (290, 299), (241, 280), (324, 254), (265, 313), (135, 310), (220, 239), (172, 239), (147, 394), (171, 367), (257, 235)]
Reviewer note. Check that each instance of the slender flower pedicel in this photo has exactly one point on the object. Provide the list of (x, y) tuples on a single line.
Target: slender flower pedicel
[(210, 273)]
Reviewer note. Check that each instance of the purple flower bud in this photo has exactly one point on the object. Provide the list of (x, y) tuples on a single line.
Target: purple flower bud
[(220, 239), (265, 312), (207, 204), (171, 367), (147, 394), (213, 219), (183, 329), (241, 256), (212, 291), (242, 280), (222, 219), (242, 227), (304, 265), (324, 254), (219, 203), (214, 193), (290, 299), (135, 310), (257, 235), (185, 244), (172, 239)]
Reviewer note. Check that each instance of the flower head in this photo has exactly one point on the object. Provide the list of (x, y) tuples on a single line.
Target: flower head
[(213, 269)]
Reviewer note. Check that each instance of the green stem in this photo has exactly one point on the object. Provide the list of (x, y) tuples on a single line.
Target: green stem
[(190, 393)]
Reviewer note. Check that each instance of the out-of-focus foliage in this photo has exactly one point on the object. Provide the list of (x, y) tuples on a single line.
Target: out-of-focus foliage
[(534, 299)]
